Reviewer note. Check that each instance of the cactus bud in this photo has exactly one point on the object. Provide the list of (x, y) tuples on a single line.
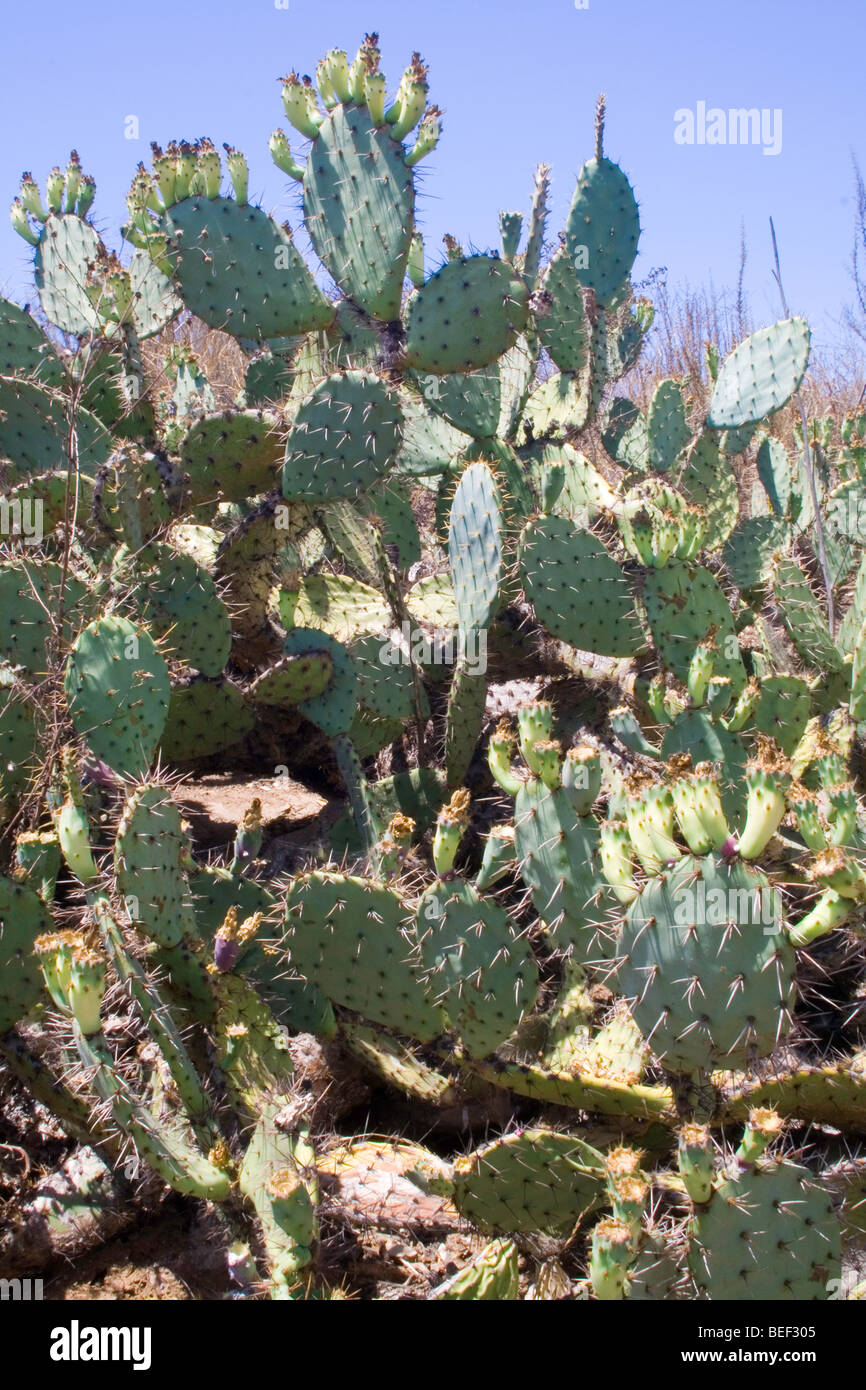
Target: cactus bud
[(450, 825), (767, 779), (238, 173), (499, 754), (281, 154), (338, 74), (300, 106), (72, 182), (429, 133), (18, 218), (499, 856), (695, 1162), (415, 265), (764, 1126), (581, 777), (535, 725), (616, 862), (510, 232), (54, 190), (611, 1254), (31, 198)]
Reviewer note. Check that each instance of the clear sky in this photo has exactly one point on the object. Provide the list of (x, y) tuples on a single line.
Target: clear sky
[(517, 80)]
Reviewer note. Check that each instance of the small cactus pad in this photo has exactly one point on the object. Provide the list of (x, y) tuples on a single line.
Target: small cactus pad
[(467, 314), (333, 710), (148, 851), (557, 851), (204, 717), (351, 939), (22, 918), (345, 435), (478, 969), (760, 375), (231, 457), (117, 687), (533, 1181), (578, 591)]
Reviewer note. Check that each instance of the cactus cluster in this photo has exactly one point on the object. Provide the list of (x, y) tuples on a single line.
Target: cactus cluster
[(605, 930)]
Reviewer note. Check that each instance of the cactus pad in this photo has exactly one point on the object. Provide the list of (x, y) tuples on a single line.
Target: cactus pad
[(466, 315)]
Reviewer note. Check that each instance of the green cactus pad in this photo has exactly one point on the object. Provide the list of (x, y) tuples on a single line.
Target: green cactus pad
[(148, 851), (585, 492), (268, 378), (579, 593), (707, 480), (339, 605), (429, 442), (24, 349), (602, 230), (391, 508), (23, 917), (625, 436), (475, 548), (563, 326), (334, 710), (467, 698), (154, 302), (535, 1181), (384, 684), (557, 852), (180, 605), (493, 1274), (683, 602), (783, 710), (294, 679), (34, 430), (803, 616), (351, 939), (117, 688), (231, 457), (29, 597), (769, 1232), (18, 743), (760, 375), (345, 435), (560, 404), (774, 471), (752, 548), (707, 965), (239, 271), (467, 314), (478, 969), (68, 250), (204, 717), (667, 430), (359, 201), (469, 401)]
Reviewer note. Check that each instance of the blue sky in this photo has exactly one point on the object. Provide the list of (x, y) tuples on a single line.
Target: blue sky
[(517, 82)]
